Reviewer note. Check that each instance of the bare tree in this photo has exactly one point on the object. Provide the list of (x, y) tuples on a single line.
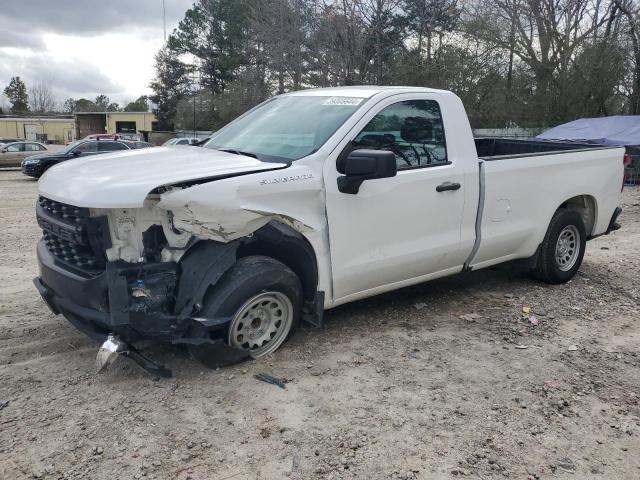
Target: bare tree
[(631, 12), (41, 99), (280, 40), (544, 34), (429, 18), (525, 62)]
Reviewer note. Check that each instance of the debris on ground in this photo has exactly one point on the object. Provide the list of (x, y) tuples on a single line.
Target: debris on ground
[(566, 465), (265, 377)]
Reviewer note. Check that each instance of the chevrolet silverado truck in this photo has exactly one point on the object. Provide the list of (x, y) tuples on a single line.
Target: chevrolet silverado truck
[(308, 201)]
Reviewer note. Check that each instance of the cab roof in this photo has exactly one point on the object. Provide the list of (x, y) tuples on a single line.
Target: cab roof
[(360, 91)]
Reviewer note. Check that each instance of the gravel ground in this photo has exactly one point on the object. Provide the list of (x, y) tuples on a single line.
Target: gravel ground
[(483, 375)]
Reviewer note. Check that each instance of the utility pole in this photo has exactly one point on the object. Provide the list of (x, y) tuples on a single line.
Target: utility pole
[(195, 89), (164, 21)]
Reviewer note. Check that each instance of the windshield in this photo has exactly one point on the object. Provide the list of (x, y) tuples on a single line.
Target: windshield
[(286, 128)]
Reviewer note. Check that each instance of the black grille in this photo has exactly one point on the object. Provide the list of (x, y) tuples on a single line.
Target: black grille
[(31, 170), (75, 254), (69, 235), (62, 211)]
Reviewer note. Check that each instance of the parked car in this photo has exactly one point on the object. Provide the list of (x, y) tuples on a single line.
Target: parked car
[(12, 154), (5, 141), (133, 137), (311, 200), (201, 142), (36, 165), (181, 141), (101, 136), (140, 144)]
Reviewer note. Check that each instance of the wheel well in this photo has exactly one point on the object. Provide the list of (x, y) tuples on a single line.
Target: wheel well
[(288, 246), (585, 205), (47, 165)]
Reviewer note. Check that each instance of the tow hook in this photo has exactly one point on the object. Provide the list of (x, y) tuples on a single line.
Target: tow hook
[(114, 346)]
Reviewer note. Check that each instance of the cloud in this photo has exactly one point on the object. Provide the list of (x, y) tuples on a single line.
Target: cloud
[(9, 37), (83, 18), (66, 78), (83, 48)]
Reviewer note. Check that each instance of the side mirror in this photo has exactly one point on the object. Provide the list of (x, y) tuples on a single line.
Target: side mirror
[(361, 165), (76, 153)]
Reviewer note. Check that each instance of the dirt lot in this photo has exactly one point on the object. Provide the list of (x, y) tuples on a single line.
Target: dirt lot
[(432, 381)]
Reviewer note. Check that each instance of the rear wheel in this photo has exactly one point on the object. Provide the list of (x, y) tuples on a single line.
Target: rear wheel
[(263, 298), (562, 249)]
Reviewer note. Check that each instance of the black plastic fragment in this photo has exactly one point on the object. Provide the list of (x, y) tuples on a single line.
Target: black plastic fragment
[(149, 365), (265, 377)]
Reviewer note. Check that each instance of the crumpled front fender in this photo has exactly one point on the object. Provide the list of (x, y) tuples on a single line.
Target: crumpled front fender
[(232, 208)]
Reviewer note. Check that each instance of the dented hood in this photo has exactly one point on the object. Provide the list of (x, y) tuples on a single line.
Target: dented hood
[(124, 179)]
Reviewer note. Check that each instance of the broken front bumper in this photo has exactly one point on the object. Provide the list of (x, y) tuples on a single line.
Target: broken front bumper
[(103, 303), (131, 302)]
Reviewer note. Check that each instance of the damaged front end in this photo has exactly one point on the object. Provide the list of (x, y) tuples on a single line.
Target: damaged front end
[(121, 275), (119, 283)]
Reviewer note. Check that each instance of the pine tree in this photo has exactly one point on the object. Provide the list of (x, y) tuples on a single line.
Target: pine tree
[(16, 92)]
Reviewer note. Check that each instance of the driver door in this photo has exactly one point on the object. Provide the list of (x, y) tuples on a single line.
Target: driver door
[(13, 152), (404, 229), (85, 149)]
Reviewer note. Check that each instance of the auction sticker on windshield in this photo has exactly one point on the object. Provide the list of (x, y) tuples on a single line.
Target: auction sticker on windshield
[(342, 101)]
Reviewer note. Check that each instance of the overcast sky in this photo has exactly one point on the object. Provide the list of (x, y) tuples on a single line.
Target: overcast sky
[(85, 47)]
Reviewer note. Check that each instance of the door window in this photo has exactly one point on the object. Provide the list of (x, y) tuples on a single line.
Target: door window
[(16, 147), (412, 130), (112, 146), (32, 147), (87, 147)]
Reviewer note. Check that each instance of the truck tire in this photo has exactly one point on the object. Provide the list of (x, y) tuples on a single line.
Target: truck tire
[(562, 249), (264, 299)]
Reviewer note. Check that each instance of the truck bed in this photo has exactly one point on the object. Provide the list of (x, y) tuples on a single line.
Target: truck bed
[(520, 196), (496, 148)]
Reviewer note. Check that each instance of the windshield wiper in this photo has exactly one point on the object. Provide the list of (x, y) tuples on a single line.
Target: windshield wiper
[(238, 152)]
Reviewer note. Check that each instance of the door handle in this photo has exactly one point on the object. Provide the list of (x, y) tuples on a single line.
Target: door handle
[(443, 187)]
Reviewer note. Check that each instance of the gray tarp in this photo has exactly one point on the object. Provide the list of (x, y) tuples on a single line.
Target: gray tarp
[(614, 131)]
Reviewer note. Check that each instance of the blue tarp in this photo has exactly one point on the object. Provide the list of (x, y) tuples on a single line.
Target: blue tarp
[(613, 131)]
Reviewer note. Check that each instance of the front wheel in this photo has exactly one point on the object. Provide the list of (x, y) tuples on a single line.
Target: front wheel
[(562, 249), (44, 169), (263, 298)]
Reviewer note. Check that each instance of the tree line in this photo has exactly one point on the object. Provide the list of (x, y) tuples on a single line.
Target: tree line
[(530, 63), (39, 99)]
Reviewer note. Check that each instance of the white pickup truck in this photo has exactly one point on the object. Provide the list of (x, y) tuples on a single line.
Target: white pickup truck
[(308, 201)]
